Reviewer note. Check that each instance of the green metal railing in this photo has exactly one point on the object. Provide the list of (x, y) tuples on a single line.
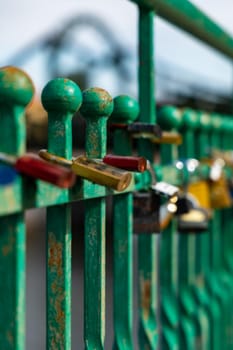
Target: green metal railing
[(184, 279)]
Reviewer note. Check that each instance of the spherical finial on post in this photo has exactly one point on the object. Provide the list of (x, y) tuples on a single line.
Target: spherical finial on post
[(204, 121), (216, 123), (190, 120), (16, 87), (97, 103), (125, 111), (16, 90), (169, 118), (61, 95), (96, 108), (61, 98)]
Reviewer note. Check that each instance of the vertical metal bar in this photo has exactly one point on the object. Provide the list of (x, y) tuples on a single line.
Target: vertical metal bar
[(168, 276), (126, 109), (202, 260), (217, 293), (61, 98), (226, 273), (194, 321), (123, 264), (16, 91), (147, 264), (169, 119), (97, 106)]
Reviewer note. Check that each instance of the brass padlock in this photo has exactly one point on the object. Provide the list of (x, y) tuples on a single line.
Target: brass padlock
[(220, 194), (92, 170), (218, 186), (201, 191), (195, 221)]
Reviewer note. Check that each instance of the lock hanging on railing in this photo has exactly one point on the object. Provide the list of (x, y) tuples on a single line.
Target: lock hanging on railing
[(146, 212), (93, 170), (151, 132), (195, 198), (166, 196), (33, 166)]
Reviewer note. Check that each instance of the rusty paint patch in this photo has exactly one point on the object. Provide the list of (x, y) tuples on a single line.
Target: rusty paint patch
[(146, 297), (57, 300), (200, 281), (55, 254), (10, 338), (9, 246)]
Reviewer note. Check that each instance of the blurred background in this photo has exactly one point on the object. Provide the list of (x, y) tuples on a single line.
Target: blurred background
[(95, 44)]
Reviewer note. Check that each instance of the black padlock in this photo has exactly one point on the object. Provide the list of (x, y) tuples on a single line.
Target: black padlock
[(146, 212), (184, 204)]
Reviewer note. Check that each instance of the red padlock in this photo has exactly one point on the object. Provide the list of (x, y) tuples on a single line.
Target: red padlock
[(33, 166), (138, 164)]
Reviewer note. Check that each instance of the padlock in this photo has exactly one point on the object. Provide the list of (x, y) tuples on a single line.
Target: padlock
[(130, 163), (201, 191), (144, 130), (93, 170), (165, 191), (168, 137), (146, 212), (166, 214), (195, 221), (32, 166), (138, 128), (184, 204), (220, 194), (219, 191)]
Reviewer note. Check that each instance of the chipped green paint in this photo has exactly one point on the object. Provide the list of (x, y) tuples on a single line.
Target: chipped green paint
[(61, 98), (169, 118), (96, 108), (16, 91), (147, 259), (125, 110)]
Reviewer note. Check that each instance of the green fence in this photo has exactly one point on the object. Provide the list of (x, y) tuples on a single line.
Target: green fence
[(184, 240)]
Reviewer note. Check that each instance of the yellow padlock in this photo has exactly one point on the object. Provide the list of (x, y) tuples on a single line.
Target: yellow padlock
[(201, 191), (219, 194)]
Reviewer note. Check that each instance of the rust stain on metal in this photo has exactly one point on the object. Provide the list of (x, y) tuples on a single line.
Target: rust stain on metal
[(55, 254), (10, 338), (8, 247), (60, 314), (146, 297)]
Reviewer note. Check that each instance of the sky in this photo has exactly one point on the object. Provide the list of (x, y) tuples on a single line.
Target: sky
[(23, 21)]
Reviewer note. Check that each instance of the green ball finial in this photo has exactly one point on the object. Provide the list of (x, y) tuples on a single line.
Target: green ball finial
[(97, 103), (190, 119), (216, 123), (126, 110), (16, 87), (169, 118), (204, 121), (61, 95)]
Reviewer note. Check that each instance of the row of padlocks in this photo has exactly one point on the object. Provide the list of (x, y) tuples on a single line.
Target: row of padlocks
[(185, 195)]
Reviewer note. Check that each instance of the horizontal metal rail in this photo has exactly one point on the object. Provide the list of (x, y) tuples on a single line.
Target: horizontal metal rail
[(188, 17)]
